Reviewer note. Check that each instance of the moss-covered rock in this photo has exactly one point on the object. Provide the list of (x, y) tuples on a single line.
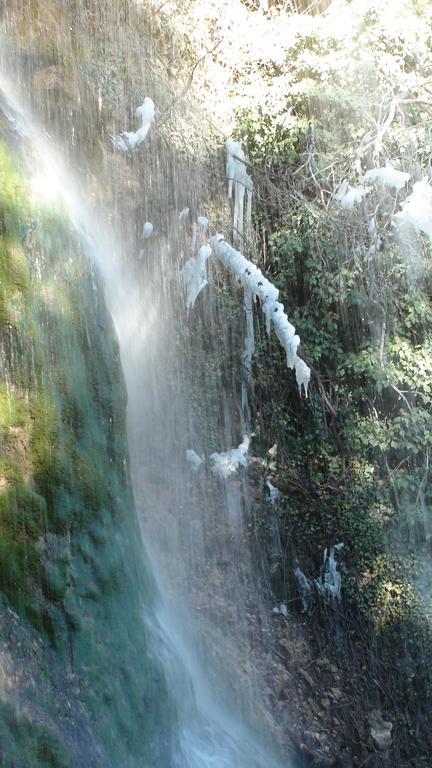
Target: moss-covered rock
[(71, 558)]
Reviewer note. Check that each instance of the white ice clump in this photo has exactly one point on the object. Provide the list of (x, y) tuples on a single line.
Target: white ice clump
[(274, 493), (330, 582), (388, 176), (372, 226), (280, 610), (203, 224), (183, 215), (194, 275), (305, 586), (227, 463), (417, 209), (194, 460), (347, 195), (253, 280), (147, 230), (130, 140), (241, 183)]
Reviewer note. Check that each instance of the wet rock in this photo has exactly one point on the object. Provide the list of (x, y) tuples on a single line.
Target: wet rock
[(55, 78)]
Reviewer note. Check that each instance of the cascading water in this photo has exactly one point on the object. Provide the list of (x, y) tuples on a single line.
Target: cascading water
[(209, 735)]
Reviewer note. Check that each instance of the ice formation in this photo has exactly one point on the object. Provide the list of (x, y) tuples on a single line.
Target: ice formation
[(280, 610), (329, 583), (194, 274), (347, 195), (183, 215), (147, 230), (417, 209), (203, 224), (388, 176), (227, 463), (129, 140), (249, 345), (194, 460), (241, 183), (253, 280), (273, 492), (305, 586)]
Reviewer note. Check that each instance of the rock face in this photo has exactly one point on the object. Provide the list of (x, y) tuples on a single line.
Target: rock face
[(79, 684)]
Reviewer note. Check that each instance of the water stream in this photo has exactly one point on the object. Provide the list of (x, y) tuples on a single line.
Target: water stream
[(142, 299)]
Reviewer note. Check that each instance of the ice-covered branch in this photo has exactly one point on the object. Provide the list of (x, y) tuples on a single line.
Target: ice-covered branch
[(254, 281)]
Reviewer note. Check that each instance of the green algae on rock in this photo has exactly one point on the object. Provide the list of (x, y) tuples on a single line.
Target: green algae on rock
[(72, 569)]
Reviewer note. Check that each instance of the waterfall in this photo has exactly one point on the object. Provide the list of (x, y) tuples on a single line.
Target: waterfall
[(146, 305)]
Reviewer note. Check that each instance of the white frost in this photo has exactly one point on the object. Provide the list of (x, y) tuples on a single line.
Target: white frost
[(388, 176), (227, 463), (417, 209), (347, 195), (130, 140)]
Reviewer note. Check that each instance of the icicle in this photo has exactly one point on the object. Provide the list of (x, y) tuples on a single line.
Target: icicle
[(302, 375), (249, 346), (127, 140), (194, 238), (253, 279), (249, 195), (194, 275), (227, 463), (194, 460), (330, 582), (239, 181), (305, 588), (273, 492)]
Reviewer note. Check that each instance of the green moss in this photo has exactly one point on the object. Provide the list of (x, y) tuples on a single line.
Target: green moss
[(28, 745), (12, 409), (44, 442), (14, 202), (22, 523)]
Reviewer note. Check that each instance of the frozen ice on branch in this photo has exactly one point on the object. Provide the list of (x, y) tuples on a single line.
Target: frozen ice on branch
[(253, 280)]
